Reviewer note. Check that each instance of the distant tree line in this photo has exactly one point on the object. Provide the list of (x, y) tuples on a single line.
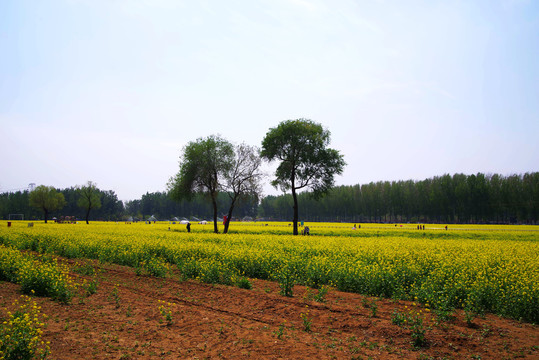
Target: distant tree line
[(162, 206), (459, 198), (158, 204), (19, 203)]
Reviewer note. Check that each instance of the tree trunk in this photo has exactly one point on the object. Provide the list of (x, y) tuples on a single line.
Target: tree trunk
[(87, 215), (229, 216), (214, 203), (227, 222), (46, 214), (296, 216)]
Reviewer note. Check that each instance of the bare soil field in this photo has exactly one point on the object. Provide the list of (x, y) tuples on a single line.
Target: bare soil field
[(122, 320)]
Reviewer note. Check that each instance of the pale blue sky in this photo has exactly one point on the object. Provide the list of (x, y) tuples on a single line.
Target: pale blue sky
[(111, 90)]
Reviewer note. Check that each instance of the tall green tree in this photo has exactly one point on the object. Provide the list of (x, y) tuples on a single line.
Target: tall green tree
[(111, 207), (89, 198), (47, 199), (305, 161), (204, 164)]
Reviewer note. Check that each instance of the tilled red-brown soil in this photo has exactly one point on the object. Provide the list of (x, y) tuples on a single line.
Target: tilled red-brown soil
[(216, 321)]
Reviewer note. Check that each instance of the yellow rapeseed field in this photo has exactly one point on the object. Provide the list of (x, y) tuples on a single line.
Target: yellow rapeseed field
[(483, 268)]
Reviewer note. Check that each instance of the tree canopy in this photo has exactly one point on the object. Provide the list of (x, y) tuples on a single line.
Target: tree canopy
[(305, 160), (89, 198), (242, 182), (47, 199), (204, 164)]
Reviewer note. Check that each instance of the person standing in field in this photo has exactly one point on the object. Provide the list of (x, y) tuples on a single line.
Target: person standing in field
[(188, 227)]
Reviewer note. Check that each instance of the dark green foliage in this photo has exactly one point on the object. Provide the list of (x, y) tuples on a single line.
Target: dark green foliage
[(47, 199), (305, 160), (443, 199), (162, 206), (89, 198), (244, 283), (204, 165), (446, 199), (18, 203)]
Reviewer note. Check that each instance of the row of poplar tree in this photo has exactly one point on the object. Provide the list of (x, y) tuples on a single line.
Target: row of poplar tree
[(457, 198)]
